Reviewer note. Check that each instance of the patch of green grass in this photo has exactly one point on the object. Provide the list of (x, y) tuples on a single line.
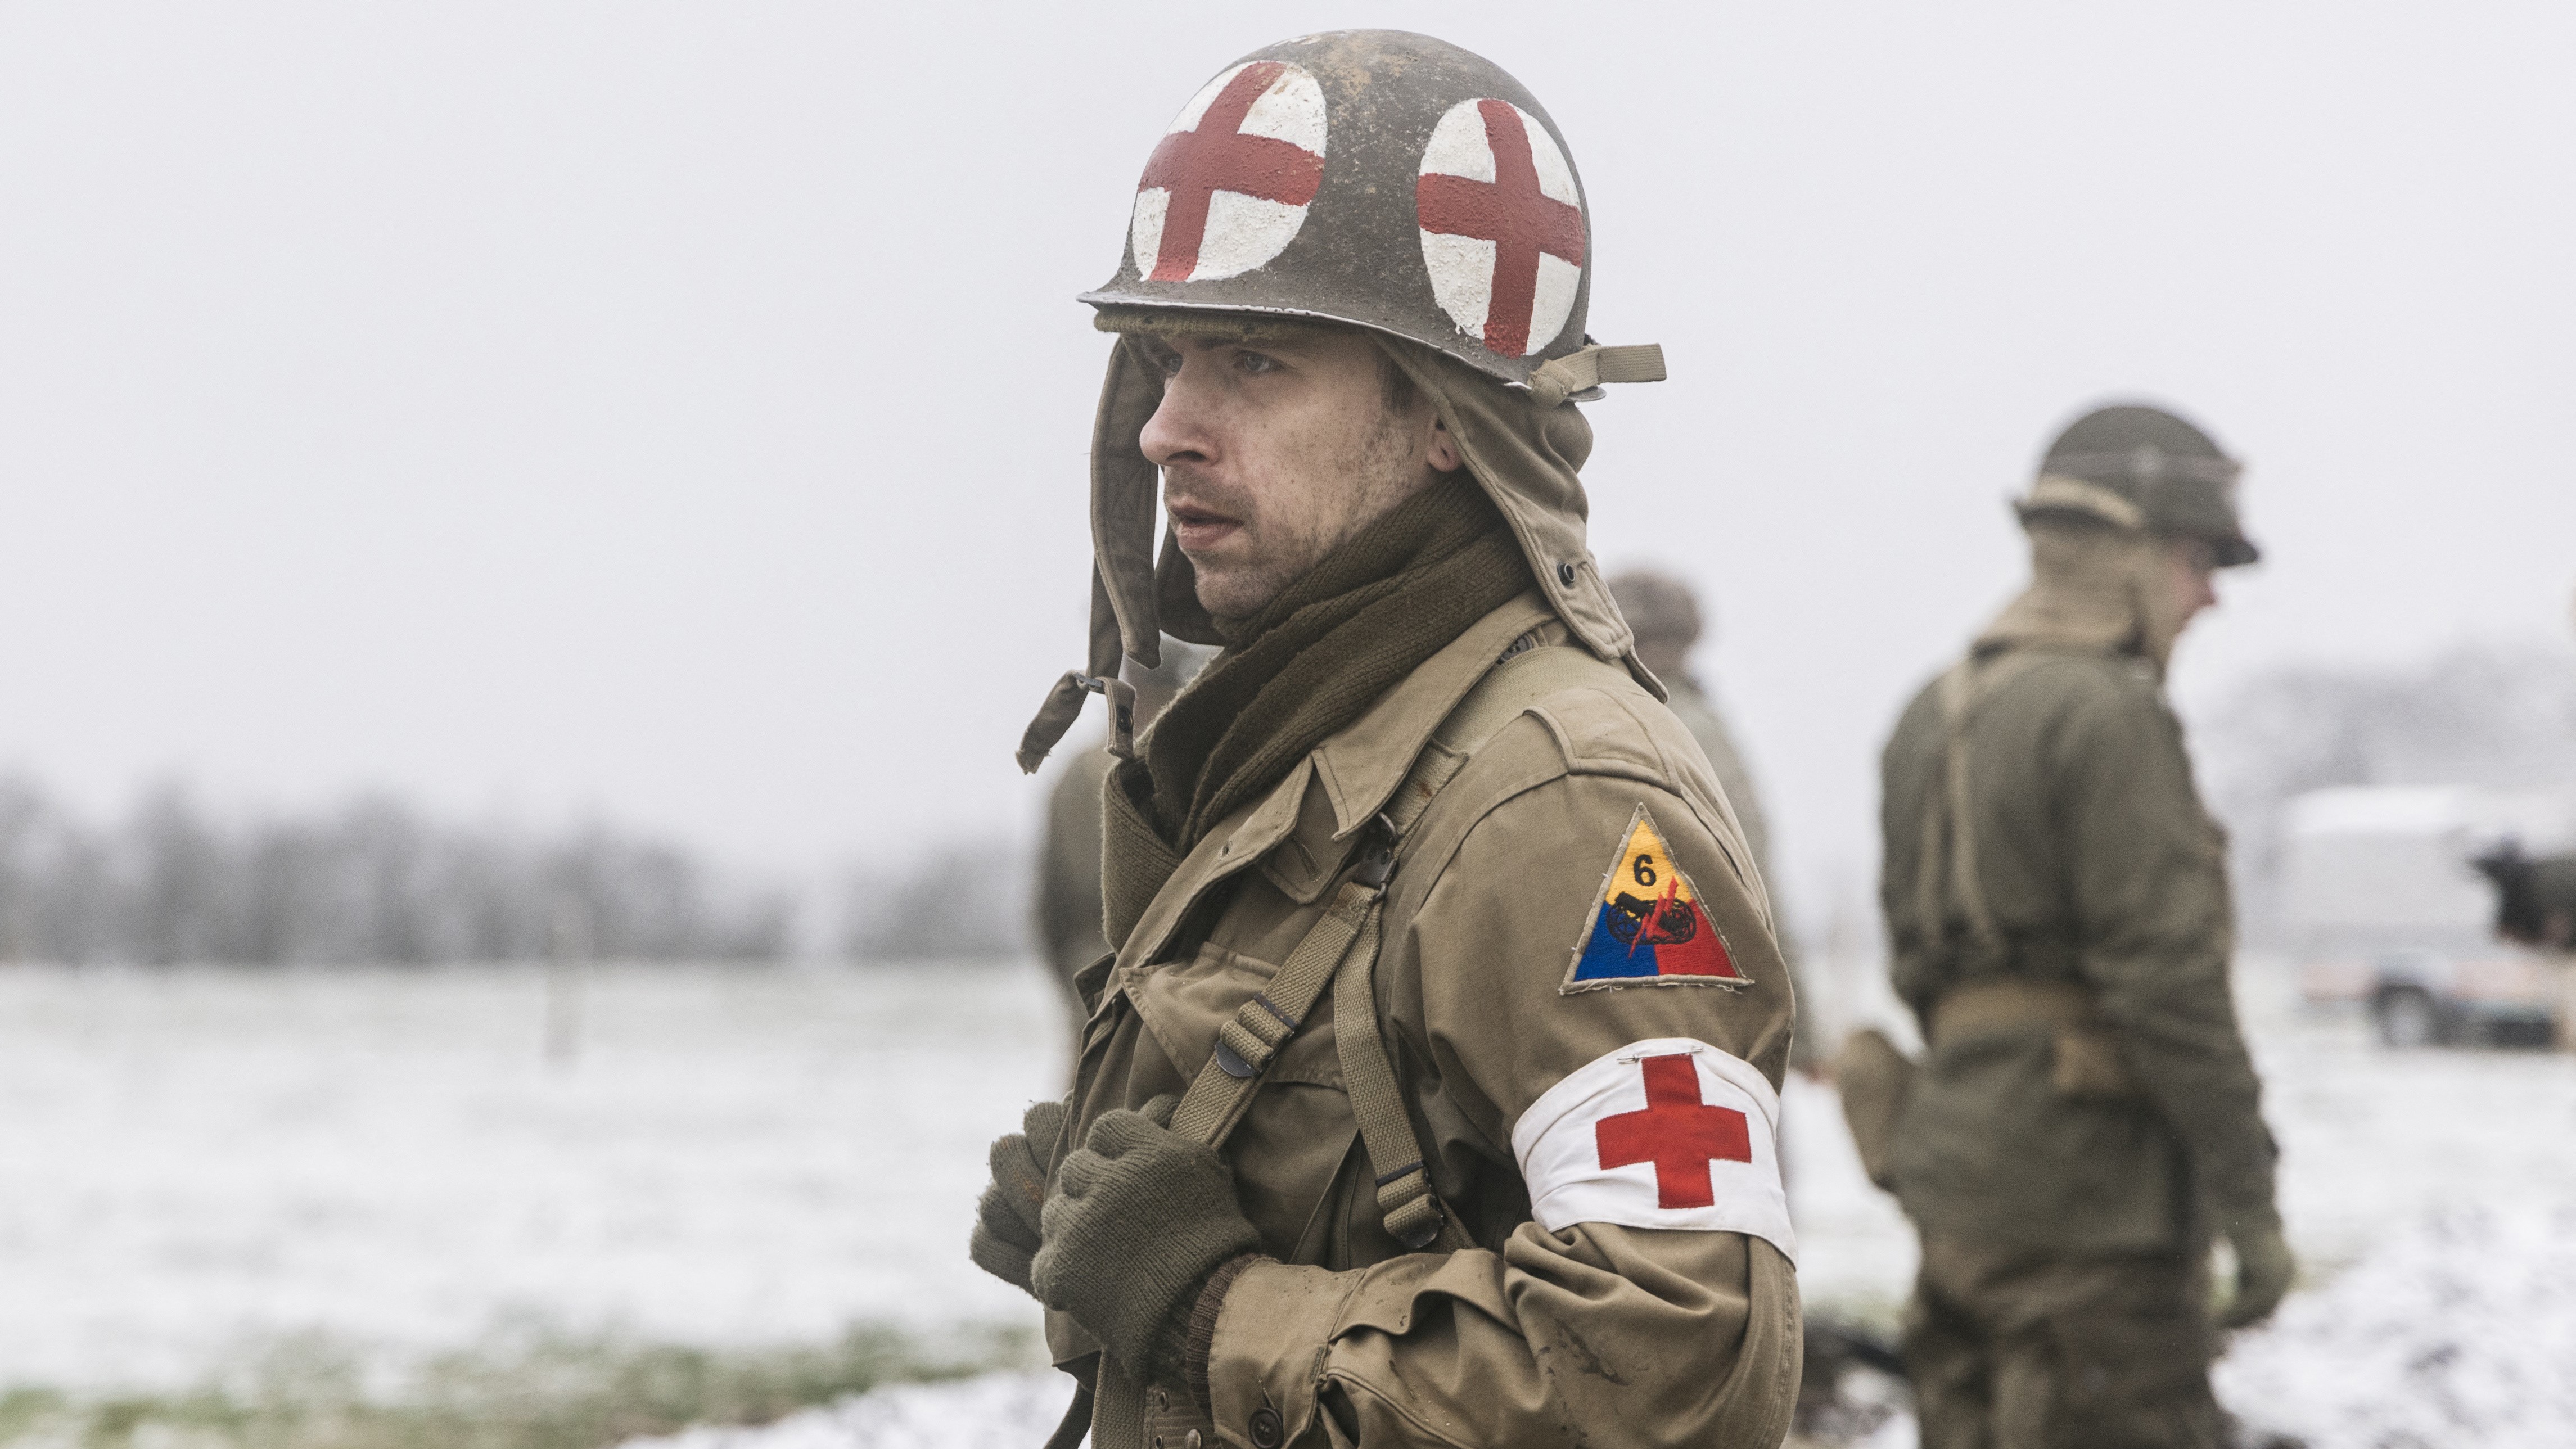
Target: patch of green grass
[(527, 1389)]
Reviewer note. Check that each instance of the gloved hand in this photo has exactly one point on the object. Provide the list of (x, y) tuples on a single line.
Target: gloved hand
[(2264, 1268), (1006, 1219), (1140, 1218)]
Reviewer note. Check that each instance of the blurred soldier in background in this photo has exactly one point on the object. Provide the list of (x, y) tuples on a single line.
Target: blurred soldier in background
[(1432, 1093), (2057, 907), (1068, 896), (1666, 615)]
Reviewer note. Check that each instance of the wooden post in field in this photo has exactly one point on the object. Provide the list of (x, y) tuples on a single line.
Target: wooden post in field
[(567, 972)]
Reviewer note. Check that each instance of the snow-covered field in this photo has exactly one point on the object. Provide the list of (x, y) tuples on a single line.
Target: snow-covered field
[(990, 1411), (196, 1163)]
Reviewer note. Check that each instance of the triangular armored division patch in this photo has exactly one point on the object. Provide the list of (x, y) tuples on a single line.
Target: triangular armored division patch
[(1648, 927)]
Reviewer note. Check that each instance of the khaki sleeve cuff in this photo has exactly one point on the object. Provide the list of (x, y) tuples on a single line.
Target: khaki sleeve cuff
[(1267, 1355)]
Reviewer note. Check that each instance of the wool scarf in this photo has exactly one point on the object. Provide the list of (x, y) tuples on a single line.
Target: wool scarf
[(1307, 665)]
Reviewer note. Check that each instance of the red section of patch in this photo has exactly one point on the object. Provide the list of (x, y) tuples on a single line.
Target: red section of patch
[(1702, 955), (1678, 1132), (1512, 213), (1194, 166)]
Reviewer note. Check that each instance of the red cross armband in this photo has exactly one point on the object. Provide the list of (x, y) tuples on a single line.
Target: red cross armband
[(1666, 1133)]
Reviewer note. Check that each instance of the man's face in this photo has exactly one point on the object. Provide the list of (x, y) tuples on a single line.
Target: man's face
[(1274, 451), (2190, 574)]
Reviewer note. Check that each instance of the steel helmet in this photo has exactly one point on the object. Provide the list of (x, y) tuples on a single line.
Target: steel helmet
[(1372, 177), (2137, 466)]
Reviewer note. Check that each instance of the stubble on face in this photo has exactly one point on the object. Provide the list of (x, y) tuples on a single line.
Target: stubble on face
[(1305, 507), (1279, 468)]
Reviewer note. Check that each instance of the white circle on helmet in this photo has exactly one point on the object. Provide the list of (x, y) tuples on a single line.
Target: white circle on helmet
[(1230, 183), (1502, 224)]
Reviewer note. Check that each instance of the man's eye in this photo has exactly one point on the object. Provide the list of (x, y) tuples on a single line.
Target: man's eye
[(1255, 363)]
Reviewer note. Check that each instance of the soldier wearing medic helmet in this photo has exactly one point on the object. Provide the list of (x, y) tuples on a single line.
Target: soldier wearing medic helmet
[(2056, 896), (1430, 1093)]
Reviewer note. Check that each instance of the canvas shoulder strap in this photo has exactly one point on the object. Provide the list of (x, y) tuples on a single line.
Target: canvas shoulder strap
[(1344, 942), (1413, 1213), (1946, 872)]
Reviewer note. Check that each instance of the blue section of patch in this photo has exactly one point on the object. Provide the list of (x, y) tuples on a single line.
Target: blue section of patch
[(1607, 958)]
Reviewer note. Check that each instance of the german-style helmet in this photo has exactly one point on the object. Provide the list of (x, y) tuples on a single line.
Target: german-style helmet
[(1376, 178), (2144, 467)]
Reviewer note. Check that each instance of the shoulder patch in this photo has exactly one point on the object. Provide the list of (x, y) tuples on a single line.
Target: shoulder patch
[(1647, 926)]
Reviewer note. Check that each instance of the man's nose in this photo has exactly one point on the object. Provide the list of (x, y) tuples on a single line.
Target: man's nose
[(1179, 428)]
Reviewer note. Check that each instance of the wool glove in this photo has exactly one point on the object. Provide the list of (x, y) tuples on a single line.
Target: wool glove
[(1006, 1219), (1140, 1218), (2264, 1268)]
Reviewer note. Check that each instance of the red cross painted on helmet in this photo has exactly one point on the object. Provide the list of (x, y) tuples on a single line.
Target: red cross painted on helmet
[(1228, 187), (1502, 226), (1678, 1132)]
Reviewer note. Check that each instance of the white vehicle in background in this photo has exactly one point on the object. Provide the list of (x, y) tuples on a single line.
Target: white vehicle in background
[(2388, 912)]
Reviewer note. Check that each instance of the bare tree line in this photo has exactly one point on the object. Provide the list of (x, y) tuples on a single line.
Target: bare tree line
[(376, 880), (961, 901), (373, 880)]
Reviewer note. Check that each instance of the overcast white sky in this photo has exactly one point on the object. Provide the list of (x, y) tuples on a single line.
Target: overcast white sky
[(679, 411)]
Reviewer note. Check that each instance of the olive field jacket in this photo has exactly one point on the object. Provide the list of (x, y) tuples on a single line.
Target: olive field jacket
[(1587, 1019)]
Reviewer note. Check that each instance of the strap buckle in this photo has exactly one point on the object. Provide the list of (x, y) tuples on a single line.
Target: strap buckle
[(1412, 1212), (1377, 853), (1245, 1045)]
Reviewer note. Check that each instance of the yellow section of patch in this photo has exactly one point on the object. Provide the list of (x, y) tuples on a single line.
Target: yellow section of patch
[(1645, 868)]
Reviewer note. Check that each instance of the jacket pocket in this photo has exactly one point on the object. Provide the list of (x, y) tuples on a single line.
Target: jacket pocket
[(1291, 1140), (1990, 1149)]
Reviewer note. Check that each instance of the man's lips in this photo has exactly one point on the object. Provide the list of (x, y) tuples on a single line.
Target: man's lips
[(1198, 528)]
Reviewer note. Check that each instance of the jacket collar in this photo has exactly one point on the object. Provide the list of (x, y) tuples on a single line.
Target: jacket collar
[(1357, 768), (1360, 766)]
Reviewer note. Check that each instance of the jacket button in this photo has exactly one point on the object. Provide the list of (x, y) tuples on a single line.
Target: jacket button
[(1266, 1429), (1191, 1442), (1565, 574)]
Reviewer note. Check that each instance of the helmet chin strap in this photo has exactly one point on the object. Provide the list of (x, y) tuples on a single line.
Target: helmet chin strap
[(1126, 514), (1126, 519), (1063, 703)]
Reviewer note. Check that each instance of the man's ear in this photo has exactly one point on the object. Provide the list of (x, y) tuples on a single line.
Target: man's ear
[(1444, 456)]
